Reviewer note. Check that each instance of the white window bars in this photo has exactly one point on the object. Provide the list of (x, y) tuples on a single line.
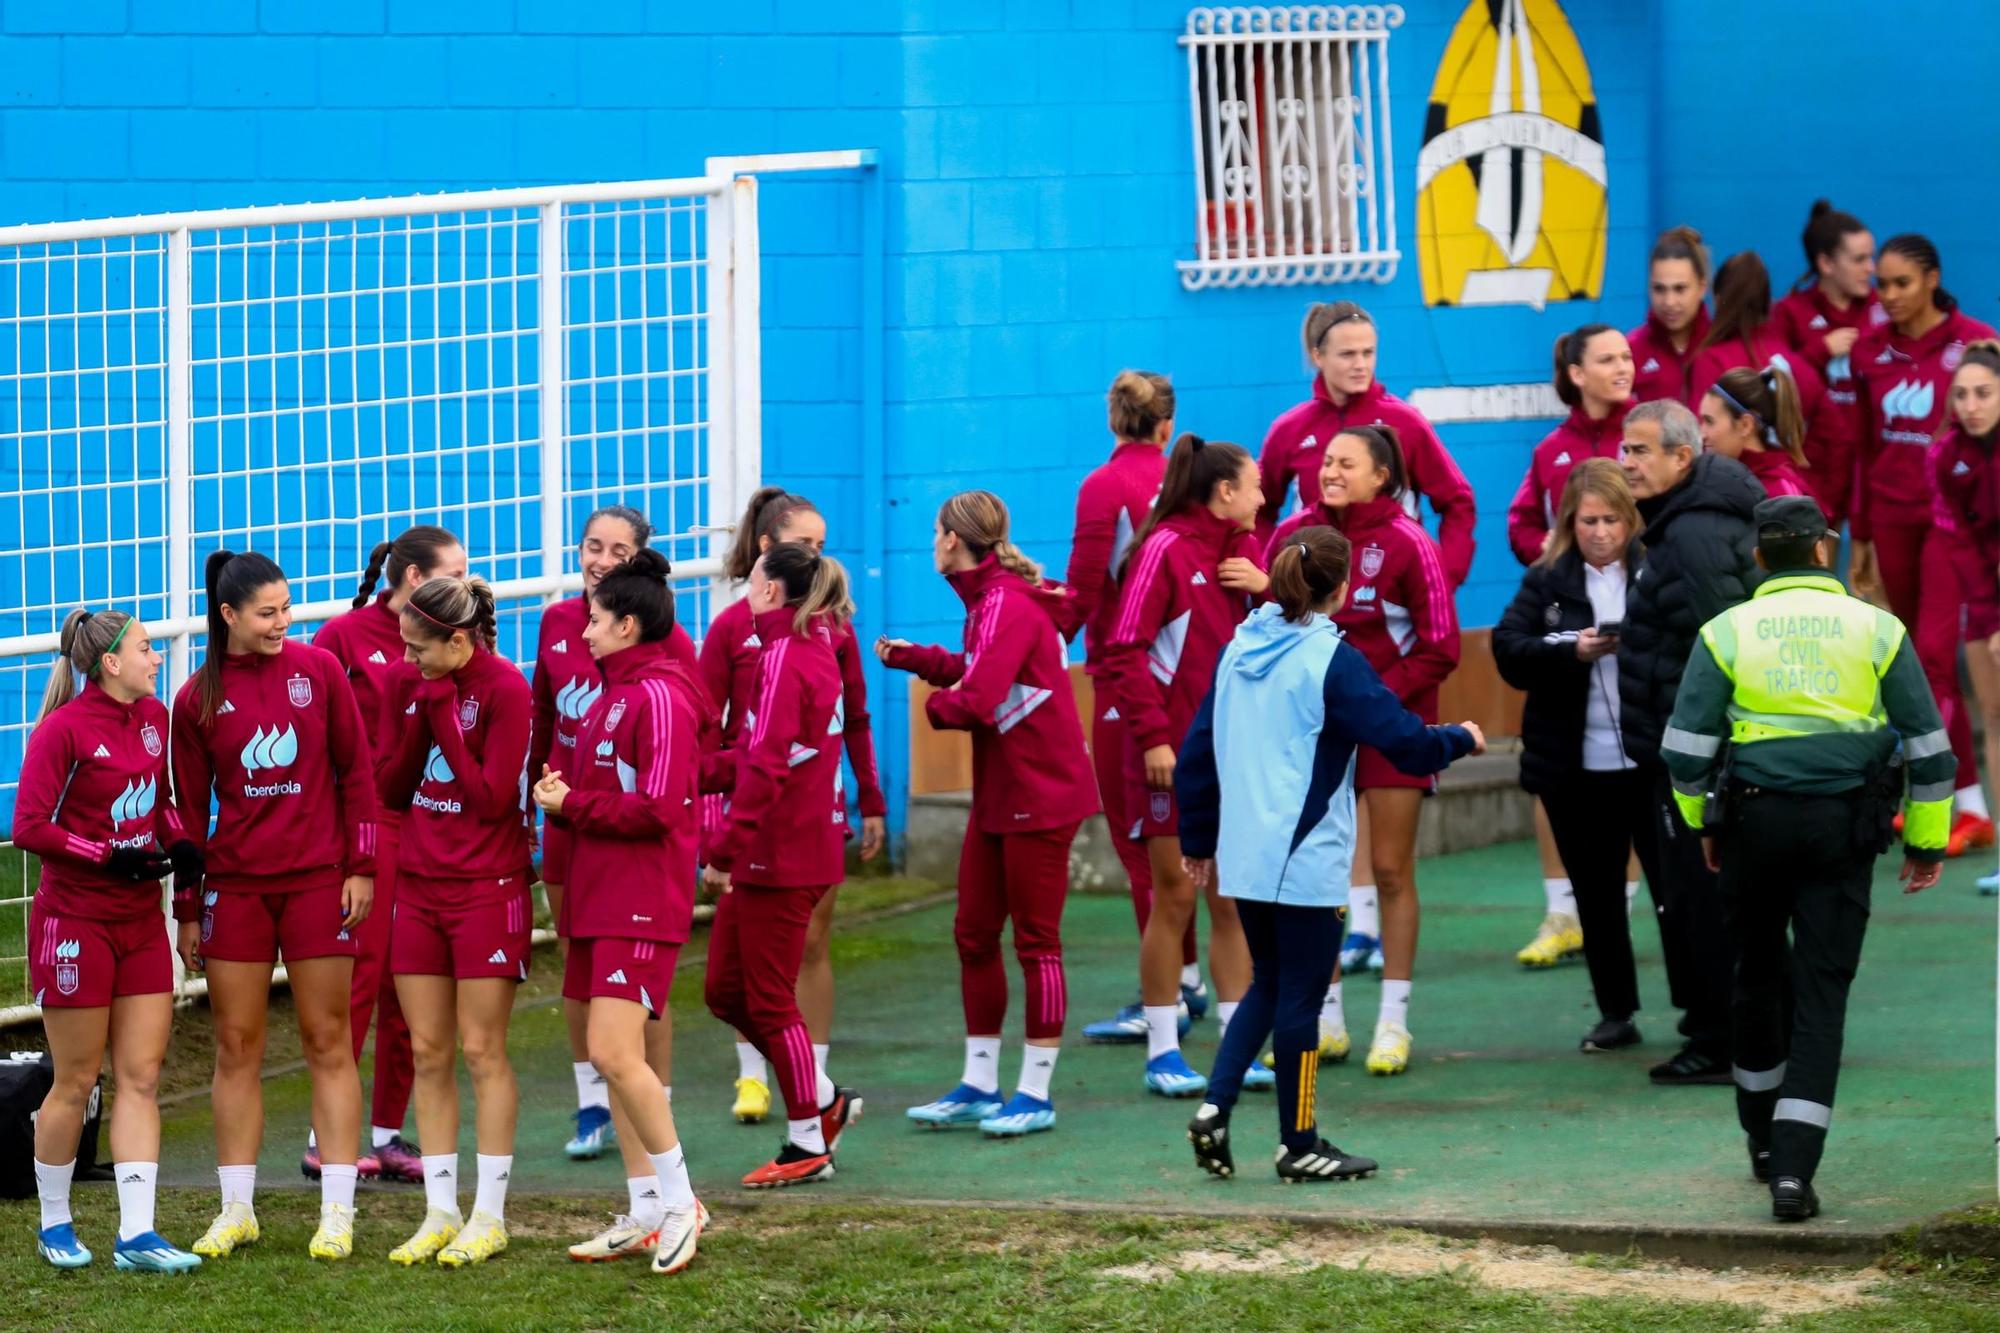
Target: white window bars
[(1293, 173), (308, 380)]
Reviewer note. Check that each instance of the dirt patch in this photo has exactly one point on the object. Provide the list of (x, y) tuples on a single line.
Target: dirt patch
[(1538, 1271)]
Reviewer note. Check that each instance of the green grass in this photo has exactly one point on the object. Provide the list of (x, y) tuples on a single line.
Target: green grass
[(798, 1264), (16, 881)]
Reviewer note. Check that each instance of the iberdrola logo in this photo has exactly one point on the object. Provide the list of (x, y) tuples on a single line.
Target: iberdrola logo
[(1511, 201), (573, 700), (273, 749), (135, 802)]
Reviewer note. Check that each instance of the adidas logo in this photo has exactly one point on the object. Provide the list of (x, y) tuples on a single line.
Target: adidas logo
[(1652, 364), (1562, 459), (649, 1194), (442, 1173), (227, 707), (101, 753), (559, 646), (1198, 581), (377, 658), (1818, 322), (1958, 469), (499, 956), (1111, 714), (753, 642), (134, 1179), (616, 978), (411, 711), (983, 1055)]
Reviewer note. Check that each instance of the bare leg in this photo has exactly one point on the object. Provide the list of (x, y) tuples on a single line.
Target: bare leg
[(239, 1000), (320, 994)]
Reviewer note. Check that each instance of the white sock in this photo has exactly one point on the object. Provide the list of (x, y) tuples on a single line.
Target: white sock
[(1395, 1004), (491, 1198), (1364, 912), (820, 1049), (982, 1063), (1970, 801), (1631, 892), (805, 1134), (312, 1139), (591, 1089), (750, 1064), (1038, 1066), (441, 1183), (138, 1183), (823, 1087), (239, 1184), (1561, 897), (1224, 1011), (642, 1199), (1163, 1029), (381, 1136), (1191, 975), (52, 1188), (1330, 1012), (676, 1191), (336, 1184)]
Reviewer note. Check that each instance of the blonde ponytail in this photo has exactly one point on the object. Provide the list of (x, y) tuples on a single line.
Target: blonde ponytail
[(86, 637), (979, 519)]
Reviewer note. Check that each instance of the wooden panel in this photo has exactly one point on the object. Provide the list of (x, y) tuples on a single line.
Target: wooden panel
[(941, 761)]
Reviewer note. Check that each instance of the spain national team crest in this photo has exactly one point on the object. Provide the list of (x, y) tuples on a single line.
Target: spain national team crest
[(1511, 200), (1952, 356), (66, 970), (299, 689), (1371, 561), (468, 714), (611, 718), (1162, 807), (149, 736)]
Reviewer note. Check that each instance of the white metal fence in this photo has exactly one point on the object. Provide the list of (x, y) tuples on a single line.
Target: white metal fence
[(309, 380)]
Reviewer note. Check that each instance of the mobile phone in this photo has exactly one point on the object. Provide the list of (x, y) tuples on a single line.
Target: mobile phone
[(1609, 629)]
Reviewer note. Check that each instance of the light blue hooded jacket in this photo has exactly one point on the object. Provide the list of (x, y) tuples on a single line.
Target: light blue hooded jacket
[(1265, 778)]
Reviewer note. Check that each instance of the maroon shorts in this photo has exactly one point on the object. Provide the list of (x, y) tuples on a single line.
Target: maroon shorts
[(78, 963), (1373, 770), (641, 971), (464, 930), (557, 842), (1149, 812), (263, 927)]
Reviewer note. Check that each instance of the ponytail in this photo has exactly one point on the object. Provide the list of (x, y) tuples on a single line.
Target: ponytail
[(766, 513), (1195, 468), (1742, 299), (1385, 450), (1307, 570), (638, 588), (1139, 401), (86, 637), (442, 607), (1826, 228), (1919, 251), (1570, 351), (1768, 396), (815, 584), (230, 580), (980, 520), (421, 547)]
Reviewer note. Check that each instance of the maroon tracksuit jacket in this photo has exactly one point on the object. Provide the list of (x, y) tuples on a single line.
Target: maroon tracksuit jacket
[(1533, 511), (1904, 390), (1658, 371), (368, 641), (1833, 434), (1112, 503), (567, 681)]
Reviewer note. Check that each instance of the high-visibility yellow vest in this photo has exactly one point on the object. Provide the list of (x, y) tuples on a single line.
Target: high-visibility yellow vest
[(1803, 659)]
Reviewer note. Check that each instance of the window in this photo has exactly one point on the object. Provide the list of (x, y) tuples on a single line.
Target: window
[(1293, 179)]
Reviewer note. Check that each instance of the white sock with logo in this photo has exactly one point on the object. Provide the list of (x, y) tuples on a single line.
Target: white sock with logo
[(1163, 1029), (676, 1190), (491, 1198), (52, 1188), (807, 1134), (239, 1184), (982, 1064), (750, 1063), (642, 1195), (1395, 1005), (1561, 897), (1364, 912), (441, 1183), (336, 1184), (138, 1183), (1331, 1014), (1038, 1067), (591, 1089)]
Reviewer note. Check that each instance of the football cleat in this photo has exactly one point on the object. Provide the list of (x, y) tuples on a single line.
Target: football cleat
[(1360, 954), (1024, 1113), (1129, 1024), (233, 1228), (753, 1101), (1209, 1133), (438, 1230), (479, 1240), (1560, 937), (1390, 1051), (399, 1162), (837, 1115), (58, 1244), (149, 1252), (792, 1166), (1322, 1161), (1968, 831), (1194, 999), (309, 1164), (623, 1239), (1259, 1077), (335, 1237), (1334, 1043), (593, 1134), (963, 1105), (1988, 885), (1168, 1075), (675, 1241)]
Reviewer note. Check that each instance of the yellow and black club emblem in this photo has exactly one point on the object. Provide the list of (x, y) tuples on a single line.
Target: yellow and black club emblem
[(1511, 202)]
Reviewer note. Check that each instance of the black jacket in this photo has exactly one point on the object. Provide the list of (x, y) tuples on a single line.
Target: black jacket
[(1534, 645), (1700, 561)]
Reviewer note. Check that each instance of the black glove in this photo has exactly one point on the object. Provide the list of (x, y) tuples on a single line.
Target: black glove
[(135, 865), (189, 865)]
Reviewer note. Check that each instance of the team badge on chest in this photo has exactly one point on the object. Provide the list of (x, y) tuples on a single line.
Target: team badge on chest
[(149, 736), (611, 719), (299, 689), (468, 714), (1371, 561)]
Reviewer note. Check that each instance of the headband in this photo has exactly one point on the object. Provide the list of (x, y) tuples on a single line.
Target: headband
[(1770, 431), (448, 629), (116, 639)]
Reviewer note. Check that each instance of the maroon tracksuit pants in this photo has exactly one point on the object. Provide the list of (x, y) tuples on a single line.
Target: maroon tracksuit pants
[(755, 946), (1025, 877)]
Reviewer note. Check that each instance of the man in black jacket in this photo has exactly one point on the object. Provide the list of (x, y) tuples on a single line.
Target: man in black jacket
[(1700, 561)]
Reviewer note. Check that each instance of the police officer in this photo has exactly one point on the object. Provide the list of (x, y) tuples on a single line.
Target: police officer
[(1783, 749)]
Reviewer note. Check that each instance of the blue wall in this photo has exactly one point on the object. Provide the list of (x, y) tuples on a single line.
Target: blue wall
[(1038, 191)]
